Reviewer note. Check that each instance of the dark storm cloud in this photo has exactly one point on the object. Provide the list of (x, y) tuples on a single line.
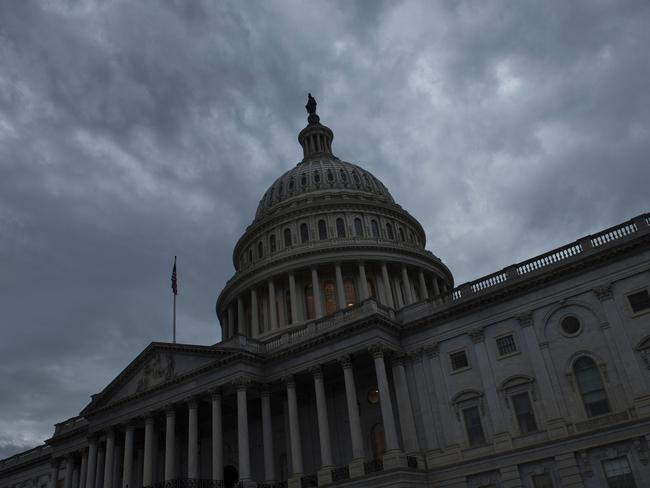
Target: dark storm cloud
[(131, 132)]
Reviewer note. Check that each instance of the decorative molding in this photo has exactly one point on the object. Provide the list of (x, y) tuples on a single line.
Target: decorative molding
[(215, 393), (169, 409), (604, 292), (289, 380), (345, 361), (477, 335), (525, 319), (433, 350), (316, 371), (242, 382), (377, 351)]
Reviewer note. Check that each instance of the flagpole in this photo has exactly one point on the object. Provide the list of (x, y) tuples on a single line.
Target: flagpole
[(174, 333)]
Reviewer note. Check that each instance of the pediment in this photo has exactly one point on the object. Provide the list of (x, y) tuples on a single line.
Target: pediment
[(158, 364)]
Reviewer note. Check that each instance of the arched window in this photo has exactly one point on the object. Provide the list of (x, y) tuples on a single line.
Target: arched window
[(401, 234), (358, 227), (330, 175), (340, 228), (591, 386), (389, 231), (260, 250), (411, 236), (250, 255), (350, 292), (371, 288), (310, 307), (287, 237), (272, 242), (322, 230), (375, 228), (316, 176), (330, 297), (304, 233), (344, 176)]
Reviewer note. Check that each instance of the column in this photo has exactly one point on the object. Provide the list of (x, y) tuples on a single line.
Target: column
[(99, 472), (54, 473), (273, 315), (387, 288), (363, 288), (170, 443), (242, 430), (502, 438), (406, 285), (192, 439), (127, 473), (255, 314), (92, 462), (425, 389), (108, 463), (84, 469), (340, 291), (294, 299), (436, 288), (69, 467), (624, 350), (541, 374), (316, 289), (147, 473), (118, 455), (387, 416), (217, 437), (294, 428), (323, 424), (231, 322), (75, 477), (241, 322), (423, 286), (353, 409), (404, 407), (267, 435)]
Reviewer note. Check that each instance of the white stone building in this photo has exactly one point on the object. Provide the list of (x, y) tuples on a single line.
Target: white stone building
[(350, 359)]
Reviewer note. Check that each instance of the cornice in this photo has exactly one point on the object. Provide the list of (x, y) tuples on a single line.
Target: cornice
[(524, 284)]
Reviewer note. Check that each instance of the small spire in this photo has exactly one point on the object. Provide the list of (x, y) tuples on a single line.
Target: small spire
[(315, 139)]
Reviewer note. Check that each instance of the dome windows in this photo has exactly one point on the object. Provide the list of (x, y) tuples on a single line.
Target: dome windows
[(303, 179), (344, 176), (287, 237), (375, 228), (401, 235), (304, 233), (390, 232), (355, 177), (330, 176), (316, 177), (350, 293), (322, 230), (358, 227), (272, 244), (292, 183), (340, 227), (260, 250)]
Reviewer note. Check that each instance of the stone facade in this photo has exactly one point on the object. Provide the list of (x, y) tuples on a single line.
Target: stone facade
[(350, 359)]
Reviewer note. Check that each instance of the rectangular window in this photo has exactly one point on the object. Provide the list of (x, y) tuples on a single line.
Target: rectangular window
[(473, 426), (639, 301), (618, 473), (542, 481), (506, 345), (458, 360), (524, 412)]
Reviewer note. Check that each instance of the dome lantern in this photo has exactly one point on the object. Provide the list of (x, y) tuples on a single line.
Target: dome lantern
[(315, 139)]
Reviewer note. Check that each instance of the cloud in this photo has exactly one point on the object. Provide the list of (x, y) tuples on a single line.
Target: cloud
[(133, 132)]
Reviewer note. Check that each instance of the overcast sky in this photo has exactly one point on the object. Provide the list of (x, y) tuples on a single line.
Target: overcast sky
[(131, 132)]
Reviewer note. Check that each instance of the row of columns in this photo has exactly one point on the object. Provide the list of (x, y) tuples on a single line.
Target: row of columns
[(93, 463), (237, 322)]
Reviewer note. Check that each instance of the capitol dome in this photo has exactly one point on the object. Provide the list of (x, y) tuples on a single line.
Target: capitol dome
[(327, 236)]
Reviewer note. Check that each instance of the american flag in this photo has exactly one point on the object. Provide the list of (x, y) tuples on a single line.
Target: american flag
[(174, 281)]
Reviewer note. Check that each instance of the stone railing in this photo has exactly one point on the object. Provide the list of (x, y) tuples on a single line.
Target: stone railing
[(24, 456), (561, 255)]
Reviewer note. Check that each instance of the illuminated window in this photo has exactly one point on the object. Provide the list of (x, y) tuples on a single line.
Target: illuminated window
[(350, 292), (330, 297)]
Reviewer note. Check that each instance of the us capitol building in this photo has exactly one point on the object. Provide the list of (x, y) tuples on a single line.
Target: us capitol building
[(350, 358)]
